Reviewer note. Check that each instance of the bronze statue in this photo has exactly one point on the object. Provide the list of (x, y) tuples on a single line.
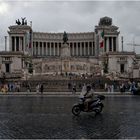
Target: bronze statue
[(65, 37), (18, 22), (24, 22), (105, 21)]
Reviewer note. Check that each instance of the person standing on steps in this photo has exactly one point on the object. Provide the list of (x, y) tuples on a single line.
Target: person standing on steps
[(37, 88), (41, 88), (74, 89)]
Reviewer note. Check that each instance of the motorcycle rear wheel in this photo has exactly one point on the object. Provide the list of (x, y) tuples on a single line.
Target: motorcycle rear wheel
[(76, 110)]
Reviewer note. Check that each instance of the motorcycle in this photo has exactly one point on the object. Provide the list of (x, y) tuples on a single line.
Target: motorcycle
[(96, 105)]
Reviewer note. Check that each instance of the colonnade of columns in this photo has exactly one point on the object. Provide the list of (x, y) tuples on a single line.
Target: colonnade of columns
[(46, 48), (54, 48), (82, 49), (17, 43), (110, 44)]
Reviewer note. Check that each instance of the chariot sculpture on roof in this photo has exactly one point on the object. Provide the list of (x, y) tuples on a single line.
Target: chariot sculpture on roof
[(24, 22)]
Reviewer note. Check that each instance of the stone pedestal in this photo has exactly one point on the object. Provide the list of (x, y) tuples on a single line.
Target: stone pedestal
[(65, 50), (65, 58)]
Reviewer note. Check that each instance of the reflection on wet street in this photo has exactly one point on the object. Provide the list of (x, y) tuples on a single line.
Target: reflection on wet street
[(51, 117)]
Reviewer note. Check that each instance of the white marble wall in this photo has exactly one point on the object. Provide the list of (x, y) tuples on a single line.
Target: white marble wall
[(115, 62), (15, 64)]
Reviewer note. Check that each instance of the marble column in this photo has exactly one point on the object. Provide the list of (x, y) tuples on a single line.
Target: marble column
[(34, 48), (10, 42), (50, 49), (76, 48), (117, 44), (15, 43), (19, 43), (38, 49), (24, 44), (112, 44), (88, 49), (72, 49), (21, 39), (84, 48), (92, 48), (46, 49), (107, 44), (54, 53), (43, 49), (57, 49), (80, 48)]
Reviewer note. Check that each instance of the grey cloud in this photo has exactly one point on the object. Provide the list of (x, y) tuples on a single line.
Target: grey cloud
[(75, 16)]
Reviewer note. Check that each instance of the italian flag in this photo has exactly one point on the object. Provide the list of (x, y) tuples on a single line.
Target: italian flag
[(101, 39)]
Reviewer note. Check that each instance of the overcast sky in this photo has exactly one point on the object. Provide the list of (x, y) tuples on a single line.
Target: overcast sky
[(72, 16)]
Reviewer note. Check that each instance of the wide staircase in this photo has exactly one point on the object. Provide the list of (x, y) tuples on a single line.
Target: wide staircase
[(63, 84)]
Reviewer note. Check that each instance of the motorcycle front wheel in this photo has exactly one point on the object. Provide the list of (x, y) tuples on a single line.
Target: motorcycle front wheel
[(76, 110), (99, 109)]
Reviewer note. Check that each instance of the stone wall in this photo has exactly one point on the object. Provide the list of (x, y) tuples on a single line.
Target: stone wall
[(61, 65)]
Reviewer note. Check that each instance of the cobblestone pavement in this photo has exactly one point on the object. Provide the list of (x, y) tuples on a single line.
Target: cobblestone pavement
[(51, 117)]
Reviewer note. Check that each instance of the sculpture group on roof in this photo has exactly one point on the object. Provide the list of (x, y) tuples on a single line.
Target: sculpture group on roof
[(105, 21), (23, 22)]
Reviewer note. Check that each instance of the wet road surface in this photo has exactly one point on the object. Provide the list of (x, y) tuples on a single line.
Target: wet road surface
[(51, 117)]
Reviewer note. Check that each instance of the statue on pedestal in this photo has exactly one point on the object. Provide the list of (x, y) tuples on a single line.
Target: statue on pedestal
[(65, 38), (65, 49)]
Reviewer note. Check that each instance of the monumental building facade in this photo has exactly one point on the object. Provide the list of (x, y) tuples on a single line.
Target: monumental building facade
[(93, 53)]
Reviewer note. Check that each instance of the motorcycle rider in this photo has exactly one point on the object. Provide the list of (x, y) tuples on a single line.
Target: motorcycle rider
[(89, 95)]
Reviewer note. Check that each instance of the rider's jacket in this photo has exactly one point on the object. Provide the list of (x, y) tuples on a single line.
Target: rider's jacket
[(89, 94)]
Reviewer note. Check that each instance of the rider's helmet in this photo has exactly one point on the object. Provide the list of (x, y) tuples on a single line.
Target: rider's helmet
[(88, 87)]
